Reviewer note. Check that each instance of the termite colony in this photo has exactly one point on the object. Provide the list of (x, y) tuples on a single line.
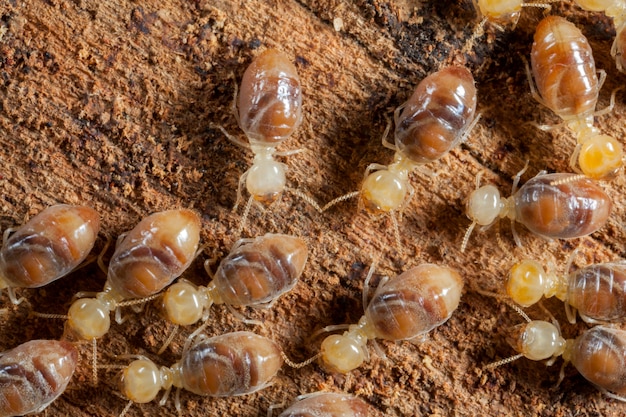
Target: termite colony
[(412, 306)]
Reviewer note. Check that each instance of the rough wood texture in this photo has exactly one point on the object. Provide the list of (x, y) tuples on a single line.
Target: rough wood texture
[(116, 104)]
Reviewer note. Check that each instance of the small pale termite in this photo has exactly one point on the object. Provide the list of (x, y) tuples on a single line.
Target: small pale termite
[(564, 72), (403, 308), (437, 117), (231, 364), (553, 206), (269, 110), (599, 354), (146, 260), (255, 273), (327, 404), (596, 291), (48, 247), (615, 9), (34, 374)]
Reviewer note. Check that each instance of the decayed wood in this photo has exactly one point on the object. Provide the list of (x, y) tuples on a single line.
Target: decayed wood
[(116, 104)]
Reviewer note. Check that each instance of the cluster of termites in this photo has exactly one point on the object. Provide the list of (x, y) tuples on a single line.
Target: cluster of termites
[(439, 115)]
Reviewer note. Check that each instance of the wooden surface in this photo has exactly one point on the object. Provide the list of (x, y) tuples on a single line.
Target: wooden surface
[(115, 104)]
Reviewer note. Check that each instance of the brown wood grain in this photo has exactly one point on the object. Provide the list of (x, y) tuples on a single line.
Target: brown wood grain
[(116, 104)]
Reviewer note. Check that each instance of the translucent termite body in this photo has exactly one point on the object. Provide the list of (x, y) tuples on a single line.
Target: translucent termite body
[(146, 260), (327, 404), (596, 291), (565, 74), (48, 246), (437, 117), (269, 110), (615, 9), (599, 354), (255, 273), (34, 374), (554, 206), (403, 308), (231, 364)]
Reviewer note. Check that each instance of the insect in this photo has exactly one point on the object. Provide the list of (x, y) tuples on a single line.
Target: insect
[(404, 308), (231, 364), (596, 291), (559, 206), (599, 354), (146, 260), (438, 116), (327, 404), (48, 247), (566, 82), (255, 273), (34, 374), (615, 9), (269, 110)]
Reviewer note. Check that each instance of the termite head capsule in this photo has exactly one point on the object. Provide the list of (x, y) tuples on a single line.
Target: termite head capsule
[(88, 319), (484, 205), (142, 380), (600, 157), (528, 282), (537, 340), (383, 191), (342, 353), (266, 180)]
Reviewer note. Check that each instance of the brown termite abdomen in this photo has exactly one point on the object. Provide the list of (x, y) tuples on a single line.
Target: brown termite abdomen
[(34, 374), (48, 246), (327, 404)]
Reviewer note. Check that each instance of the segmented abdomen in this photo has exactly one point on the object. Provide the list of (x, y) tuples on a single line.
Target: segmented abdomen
[(551, 206), (34, 374), (414, 302), (564, 68), (231, 364), (327, 404), (597, 291), (437, 115), (48, 246), (258, 272), (599, 354), (154, 253), (270, 99)]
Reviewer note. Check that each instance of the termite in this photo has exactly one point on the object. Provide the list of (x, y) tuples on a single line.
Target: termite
[(255, 273), (564, 72), (47, 247), (237, 363), (553, 206), (403, 308), (327, 404), (438, 116), (34, 374)]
